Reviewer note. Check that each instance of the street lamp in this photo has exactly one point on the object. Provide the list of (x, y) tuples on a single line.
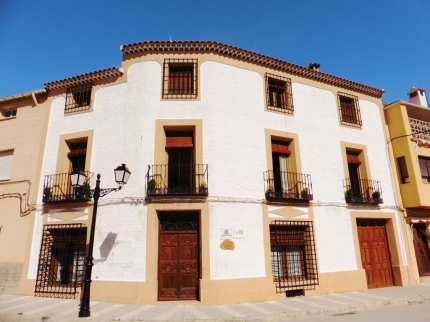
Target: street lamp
[(121, 177)]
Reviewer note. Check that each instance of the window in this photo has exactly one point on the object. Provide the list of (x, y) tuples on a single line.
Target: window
[(425, 168), (404, 176), (6, 158), (61, 261), (279, 95), (9, 113), (78, 98), (180, 78), (293, 254), (349, 110)]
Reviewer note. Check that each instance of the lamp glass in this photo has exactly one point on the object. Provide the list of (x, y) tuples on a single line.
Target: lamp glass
[(78, 178), (122, 174)]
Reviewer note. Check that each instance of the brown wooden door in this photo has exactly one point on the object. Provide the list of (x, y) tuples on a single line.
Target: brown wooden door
[(375, 255), (422, 252), (178, 265)]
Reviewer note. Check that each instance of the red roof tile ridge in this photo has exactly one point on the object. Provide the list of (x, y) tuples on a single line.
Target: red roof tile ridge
[(250, 56)]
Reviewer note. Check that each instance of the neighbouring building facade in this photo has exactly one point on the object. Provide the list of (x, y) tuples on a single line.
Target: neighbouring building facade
[(252, 179), (23, 123), (409, 126)]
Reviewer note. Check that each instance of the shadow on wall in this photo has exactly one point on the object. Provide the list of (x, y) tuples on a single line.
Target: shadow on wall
[(106, 247)]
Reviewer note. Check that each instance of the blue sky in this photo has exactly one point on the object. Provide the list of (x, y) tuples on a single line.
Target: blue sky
[(385, 44)]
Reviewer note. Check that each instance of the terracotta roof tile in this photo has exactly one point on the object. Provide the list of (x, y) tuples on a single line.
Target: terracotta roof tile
[(85, 78), (248, 56)]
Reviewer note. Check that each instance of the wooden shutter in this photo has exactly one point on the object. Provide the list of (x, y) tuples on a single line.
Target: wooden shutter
[(6, 158), (423, 167), (179, 140), (281, 148), (352, 159)]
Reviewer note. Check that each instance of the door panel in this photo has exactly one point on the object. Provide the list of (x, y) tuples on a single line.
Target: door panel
[(375, 256), (178, 259)]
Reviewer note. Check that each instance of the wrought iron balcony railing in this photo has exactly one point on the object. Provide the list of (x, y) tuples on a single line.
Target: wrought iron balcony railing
[(362, 191), (177, 179), (287, 185), (57, 188)]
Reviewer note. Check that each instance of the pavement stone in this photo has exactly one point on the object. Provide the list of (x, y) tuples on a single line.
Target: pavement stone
[(19, 308)]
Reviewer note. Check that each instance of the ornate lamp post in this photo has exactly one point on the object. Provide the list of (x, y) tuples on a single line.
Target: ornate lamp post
[(121, 177)]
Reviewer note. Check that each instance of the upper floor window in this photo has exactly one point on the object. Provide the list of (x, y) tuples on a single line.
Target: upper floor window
[(6, 158), (180, 78), (78, 98), (278, 93), (349, 110), (10, 113), (425, 168), (403, 170)]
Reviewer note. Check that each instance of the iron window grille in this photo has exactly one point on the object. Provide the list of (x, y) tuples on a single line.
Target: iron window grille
[(78, 98), (180, 78), (293, 255), (61, 260), (279, 94), (10, 113), (349, 110)]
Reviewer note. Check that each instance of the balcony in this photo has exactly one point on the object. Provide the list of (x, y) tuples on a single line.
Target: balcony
[(362, 191), (57, 188), (287, 185), (177, 180)]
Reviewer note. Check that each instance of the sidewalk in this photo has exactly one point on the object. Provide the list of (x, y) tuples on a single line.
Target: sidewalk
[(28, 308)]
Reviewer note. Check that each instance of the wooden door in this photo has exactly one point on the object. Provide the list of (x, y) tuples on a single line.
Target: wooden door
[(375, 255), (421, 247), (178, 266)]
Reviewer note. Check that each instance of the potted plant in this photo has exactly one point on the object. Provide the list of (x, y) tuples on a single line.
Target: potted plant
[(203, 188), (376, 195), (47, 191), (151, 186), (83, 192), (269, 191), (305, 193), (349, 194)]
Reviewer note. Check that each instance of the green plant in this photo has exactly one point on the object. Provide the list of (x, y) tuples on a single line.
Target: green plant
[(86, 187), (270, 188), (151, 184), (305, 191), (47, 191), (203, 185), (376, 194), (349, 193)]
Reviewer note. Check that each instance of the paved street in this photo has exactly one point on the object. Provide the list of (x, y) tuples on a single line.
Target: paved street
[(337, 306), (415, 311)]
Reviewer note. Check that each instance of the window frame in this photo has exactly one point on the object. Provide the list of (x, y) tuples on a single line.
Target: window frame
[(427, 164), (285, 98), (403, 170), (7, 161), (12, 111), (349, 115), (183, 91), (287, 238), (78, 98)]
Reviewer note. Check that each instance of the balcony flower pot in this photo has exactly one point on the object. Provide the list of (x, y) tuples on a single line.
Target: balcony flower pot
[(305, 193), (203, 188), (349, 195), (84, 191), (151, 187), (376, 195), (47, 192), (270, 192)]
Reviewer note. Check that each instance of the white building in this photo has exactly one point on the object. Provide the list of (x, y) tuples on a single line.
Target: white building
[(251, 177)]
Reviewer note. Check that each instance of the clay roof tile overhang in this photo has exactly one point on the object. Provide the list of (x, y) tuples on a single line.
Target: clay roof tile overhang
[(248, 56), (84, 78)]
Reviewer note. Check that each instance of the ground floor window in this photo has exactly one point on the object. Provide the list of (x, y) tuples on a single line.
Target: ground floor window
[(61, 261), (293, 255)]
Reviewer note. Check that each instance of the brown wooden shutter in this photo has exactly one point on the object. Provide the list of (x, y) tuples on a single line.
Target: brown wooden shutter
[(281, 148), (179, 140), (77, 152), (352, 159)]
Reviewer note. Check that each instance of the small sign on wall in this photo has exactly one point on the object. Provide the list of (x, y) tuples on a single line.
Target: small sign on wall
[(226, 233), (239, 233)]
